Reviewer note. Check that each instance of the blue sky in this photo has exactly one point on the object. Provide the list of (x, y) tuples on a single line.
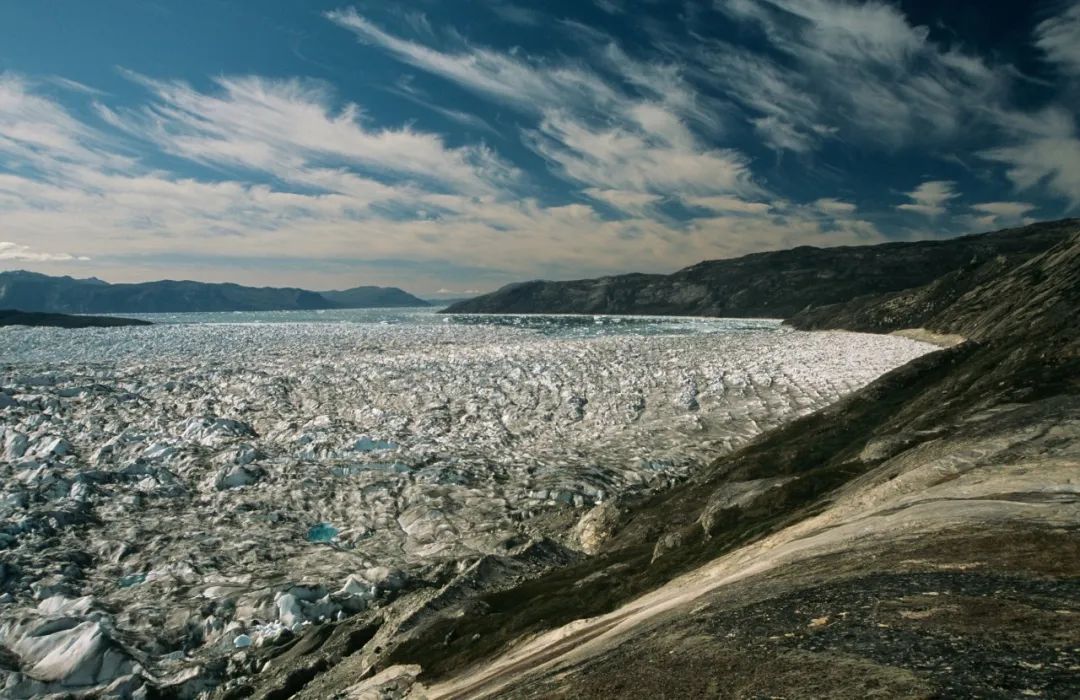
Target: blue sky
[(452, 147)]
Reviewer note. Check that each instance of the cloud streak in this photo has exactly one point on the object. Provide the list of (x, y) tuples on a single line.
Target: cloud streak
[(1059, 39), (10, 251), (625, 125)]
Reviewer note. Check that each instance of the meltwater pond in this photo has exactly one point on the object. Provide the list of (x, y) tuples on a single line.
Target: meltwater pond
[(212, 453)]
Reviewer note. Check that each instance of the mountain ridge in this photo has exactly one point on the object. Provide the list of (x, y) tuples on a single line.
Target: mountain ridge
[(773, 284), (32, 291)]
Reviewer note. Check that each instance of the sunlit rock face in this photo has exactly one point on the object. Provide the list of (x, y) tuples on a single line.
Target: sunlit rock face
[(177, 493)]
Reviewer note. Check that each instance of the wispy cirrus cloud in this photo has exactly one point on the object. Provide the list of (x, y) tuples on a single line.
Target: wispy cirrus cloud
[(290, 126), (851, 71), (517, 14), (629, 132), (36, 132), (724, 204), (628, 201), (1059, 39), (499, 75), (830, 205), (860, 72), (623, 158), (1043, 151), (405, 89)]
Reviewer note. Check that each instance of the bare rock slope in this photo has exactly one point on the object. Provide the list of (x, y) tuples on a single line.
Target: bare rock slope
[(774, 284)]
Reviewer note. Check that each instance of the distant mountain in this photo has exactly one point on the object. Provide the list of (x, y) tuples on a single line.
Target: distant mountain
[(30, 291), (448, 302), (11, 317), (373, 297), (774, 284)]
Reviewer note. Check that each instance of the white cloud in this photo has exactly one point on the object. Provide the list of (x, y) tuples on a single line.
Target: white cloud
[(624, 159), (289, 128), (36, 132), (828, 205), (75, 86), (995, 214), (861, 72), (930, 198), (624, 200), (796, 226), (728, 204), (1059, 39), (516, 14), (612, 7), (21, 253), (297, 174), (1045, 153), (1009, 210)]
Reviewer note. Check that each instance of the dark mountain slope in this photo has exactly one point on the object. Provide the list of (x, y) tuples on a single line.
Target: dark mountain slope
[(10, 317), (34, 292), (774, 284), (31, 291)]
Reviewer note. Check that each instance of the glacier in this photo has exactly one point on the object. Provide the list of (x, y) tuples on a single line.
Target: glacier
[(166, 491)]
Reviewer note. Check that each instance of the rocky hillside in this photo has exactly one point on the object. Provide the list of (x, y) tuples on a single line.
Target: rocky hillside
[(1000, 297), (775, 284), (921, 538), (30, 291), (11, 317)]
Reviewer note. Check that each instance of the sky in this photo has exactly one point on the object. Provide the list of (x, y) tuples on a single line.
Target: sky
[(450, 147)]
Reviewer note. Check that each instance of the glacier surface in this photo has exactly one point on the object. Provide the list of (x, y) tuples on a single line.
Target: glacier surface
[(171, 495)]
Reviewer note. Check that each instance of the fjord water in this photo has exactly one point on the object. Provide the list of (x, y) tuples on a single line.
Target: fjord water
[(293, 467), (54, 345)]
